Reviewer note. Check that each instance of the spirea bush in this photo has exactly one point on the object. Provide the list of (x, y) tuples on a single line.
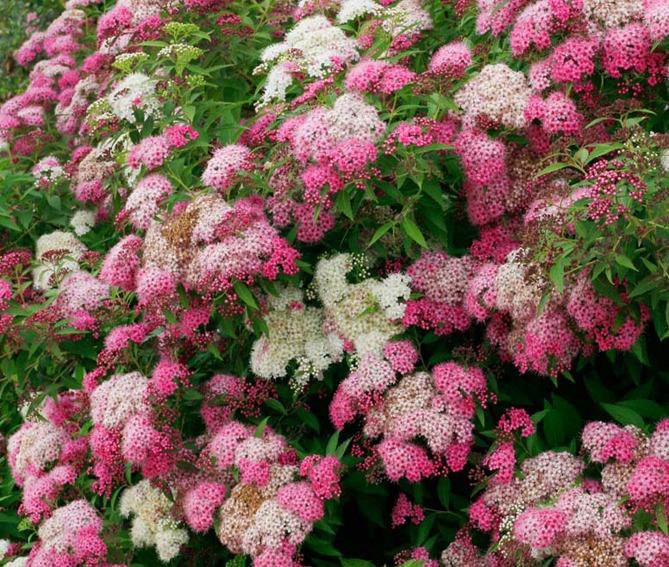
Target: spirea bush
[(335, 283)]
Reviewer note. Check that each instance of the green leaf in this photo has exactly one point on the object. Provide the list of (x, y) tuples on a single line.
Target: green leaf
[(341, 449), (309, 419), (639, 350), (380, 232), (260, 429), (645, 285), (276, 405), (413, 232), (323, 547), (192, 395), (444, 491), (244, 293), (625, 262), (603, 149), (624, 415), (561, 423), (332, 443), (582, 155), (237, 561), (661, 515), (557, 274), (645, 408), (355, 563), (343, 203), (424, 529), (551, 168), (597, 121)]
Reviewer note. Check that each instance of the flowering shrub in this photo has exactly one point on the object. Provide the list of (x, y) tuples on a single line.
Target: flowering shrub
[(335, 282)]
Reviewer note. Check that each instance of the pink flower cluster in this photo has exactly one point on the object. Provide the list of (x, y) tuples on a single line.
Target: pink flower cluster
[(378, 77), (46, 453), (458, 291), (71, 536), (436, 407), (553, 510), (225, 165), (266, 511), (451, 60)]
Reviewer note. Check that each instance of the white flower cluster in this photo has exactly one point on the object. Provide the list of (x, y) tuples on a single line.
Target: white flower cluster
[(278, 81), (66, 250), (497, 92), (295, 333), (136, 91), (311, 46), (664, 160), (350, 10), (389, 290), (152, 521), (82, 221), (407, 18), (364, 313)]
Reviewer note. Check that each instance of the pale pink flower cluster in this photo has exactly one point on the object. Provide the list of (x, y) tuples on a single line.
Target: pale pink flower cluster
[(225, 165), (552, 509), (455, 292), (80, 296), (71, 536), (46, 454), (497, 93), (399, 410), (145, 200), (273, 506), (208, 244)]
